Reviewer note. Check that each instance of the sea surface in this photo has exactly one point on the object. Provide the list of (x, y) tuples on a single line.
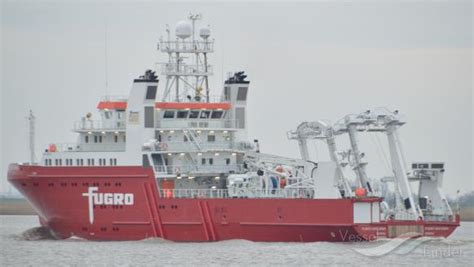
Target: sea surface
[(17, 249)]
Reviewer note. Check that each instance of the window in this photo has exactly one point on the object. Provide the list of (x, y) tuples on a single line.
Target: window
[(227, 161), (151, 92), (183, 114), (124, 139), (82, 162), (145, 161), (203, 161), (150, 117), (100, 138), (205, 114), (217, 114), (86, 139), (78, 162), (119, 114), (95, 138), (185, 138), (169, 114), (211, 161), (111, 162), (240, 117), (60, 162), (227, 93), (242, 93), (107, 114), (211, 138), (194, 114), (115, 138), (92, 162)]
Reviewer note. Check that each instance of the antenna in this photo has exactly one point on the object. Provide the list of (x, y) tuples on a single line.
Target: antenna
[(106, 62), (31, 118)]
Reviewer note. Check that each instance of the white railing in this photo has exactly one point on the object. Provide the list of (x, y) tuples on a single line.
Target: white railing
[(93, 147), (187, 46), (193, 193), (225, 193), (190, 147), (85, 125), (197, 123), (186, 170), (185, 70)]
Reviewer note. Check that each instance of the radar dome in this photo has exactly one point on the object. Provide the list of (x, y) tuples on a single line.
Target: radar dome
[(205, 32), (183, 29)]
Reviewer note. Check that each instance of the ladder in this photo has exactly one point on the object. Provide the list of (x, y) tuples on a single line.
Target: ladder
[(192, 137)]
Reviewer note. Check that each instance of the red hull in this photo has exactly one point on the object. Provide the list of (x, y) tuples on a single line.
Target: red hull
[(57, 194)]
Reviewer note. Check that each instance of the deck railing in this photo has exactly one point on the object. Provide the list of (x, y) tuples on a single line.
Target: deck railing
[(197, 123), (99, 125), (91, 147), (198, 168), (293, 193)]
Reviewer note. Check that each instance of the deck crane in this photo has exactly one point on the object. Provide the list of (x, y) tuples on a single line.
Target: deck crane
[(323, 131), (380, 120)]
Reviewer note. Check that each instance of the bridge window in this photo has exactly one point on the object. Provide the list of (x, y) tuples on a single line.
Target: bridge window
[(211, 161), (115, 138), (227, 161), (169, 114), (100, 138), (194, 114), (205, 114), (86, 139), (217, 114), (183, 114), (203, 161), (95, 138)]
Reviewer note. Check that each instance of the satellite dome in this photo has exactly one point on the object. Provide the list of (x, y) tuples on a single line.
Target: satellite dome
[(183, 29), (205, 32)]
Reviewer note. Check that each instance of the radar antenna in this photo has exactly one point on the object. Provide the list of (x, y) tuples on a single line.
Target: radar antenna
[(187, 75)]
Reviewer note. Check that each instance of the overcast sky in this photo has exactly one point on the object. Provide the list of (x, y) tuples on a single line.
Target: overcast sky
[(305, 61)]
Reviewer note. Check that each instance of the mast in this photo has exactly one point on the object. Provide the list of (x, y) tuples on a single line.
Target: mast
[(31, 119), (187, 74)]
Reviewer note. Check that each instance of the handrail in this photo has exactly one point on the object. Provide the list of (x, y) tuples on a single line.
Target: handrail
[(181, 169), (291, 193), (190, 147), (99, 125), (88, 147), (197, 123)]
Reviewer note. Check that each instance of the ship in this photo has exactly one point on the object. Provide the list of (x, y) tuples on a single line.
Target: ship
[(177, 164)]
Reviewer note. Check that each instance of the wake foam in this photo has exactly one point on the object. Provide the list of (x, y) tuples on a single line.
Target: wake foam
[(37, 233)]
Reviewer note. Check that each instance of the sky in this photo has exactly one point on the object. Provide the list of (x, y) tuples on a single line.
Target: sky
[(305, 60)]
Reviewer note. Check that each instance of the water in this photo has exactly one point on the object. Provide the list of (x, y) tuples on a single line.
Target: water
[(458, 250)]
